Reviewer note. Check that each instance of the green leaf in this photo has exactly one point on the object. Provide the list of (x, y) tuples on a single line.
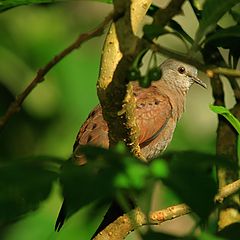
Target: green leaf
[(191, 178), (152, 10), (159, 168), (178, 28), (235, 12), (106, 172), (208, 236), (231, 232), (152, 31), (82, 185), (228, 115), (24, 184), (227, 38), (213, 10), (231, 32)]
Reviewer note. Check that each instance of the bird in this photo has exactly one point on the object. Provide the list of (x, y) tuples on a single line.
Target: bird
[(158, 109)]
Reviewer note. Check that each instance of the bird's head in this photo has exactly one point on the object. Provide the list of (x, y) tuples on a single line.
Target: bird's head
[(179, 75)]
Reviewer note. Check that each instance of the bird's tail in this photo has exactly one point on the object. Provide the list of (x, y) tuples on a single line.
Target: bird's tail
[(61, 217), (114, 211)]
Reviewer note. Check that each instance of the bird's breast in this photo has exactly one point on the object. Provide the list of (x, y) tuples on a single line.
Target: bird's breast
[(160, 143)]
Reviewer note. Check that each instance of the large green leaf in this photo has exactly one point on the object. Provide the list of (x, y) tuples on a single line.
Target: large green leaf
[(191, 178), (227, 38), (228, 115), (231, 232), (222, 34), (152, 31), (213, 10), (106, 173), (24, 184), (177, 27)]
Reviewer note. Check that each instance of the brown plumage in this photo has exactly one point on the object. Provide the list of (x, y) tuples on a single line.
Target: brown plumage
[(158, 108)]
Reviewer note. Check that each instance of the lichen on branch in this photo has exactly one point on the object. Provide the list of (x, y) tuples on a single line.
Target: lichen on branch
[(114, 90)]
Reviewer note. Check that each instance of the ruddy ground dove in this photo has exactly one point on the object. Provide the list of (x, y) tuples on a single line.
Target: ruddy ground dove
[(158, 108)]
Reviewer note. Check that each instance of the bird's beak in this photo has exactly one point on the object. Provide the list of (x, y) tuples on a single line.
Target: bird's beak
[(198, 81)]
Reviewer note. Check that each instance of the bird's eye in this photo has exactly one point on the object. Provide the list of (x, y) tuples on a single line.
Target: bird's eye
[(181, 70)]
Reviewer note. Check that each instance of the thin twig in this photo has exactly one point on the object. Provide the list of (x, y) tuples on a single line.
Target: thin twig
[(227, 191), (15, 106), (223, 71), (173, 54), (162, 16), (169, 213)]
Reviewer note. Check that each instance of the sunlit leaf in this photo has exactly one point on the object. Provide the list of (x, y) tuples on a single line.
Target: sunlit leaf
[(228, 115), (159, 168)]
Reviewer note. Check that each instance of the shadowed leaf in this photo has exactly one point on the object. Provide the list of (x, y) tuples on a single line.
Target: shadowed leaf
[(191, 178), (213, 10), (24, 184), (231, 232)]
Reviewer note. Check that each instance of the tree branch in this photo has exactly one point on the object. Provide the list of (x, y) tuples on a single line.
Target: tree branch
[(122, 226), (120, 49), (227, 191), (41, 73), (226, 143), (162, 16), (223, 71)]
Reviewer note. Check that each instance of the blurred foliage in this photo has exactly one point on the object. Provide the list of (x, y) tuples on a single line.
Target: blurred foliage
[(8, 4), (17, 193), (53, 113)]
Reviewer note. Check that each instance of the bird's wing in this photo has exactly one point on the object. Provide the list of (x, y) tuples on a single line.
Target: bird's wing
[(94, 131), (153, 110)]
